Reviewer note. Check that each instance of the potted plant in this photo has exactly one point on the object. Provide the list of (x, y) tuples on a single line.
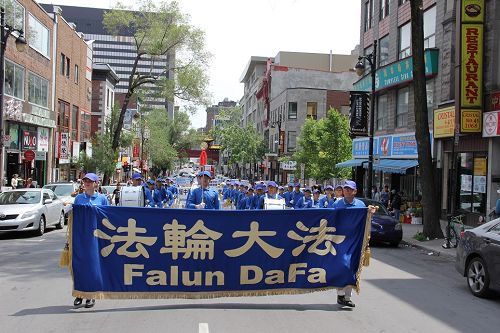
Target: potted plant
[(417, 216)]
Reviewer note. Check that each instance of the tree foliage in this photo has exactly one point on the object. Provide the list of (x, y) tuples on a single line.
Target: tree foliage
[(243, 144), (169, 138), (324, 143), (103, 159), (159, 30)]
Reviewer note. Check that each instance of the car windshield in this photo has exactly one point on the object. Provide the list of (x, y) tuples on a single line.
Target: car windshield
[(381, 208), (61, 190), (19, 197)]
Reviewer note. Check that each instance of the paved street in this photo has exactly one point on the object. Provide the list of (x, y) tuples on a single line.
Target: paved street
[(403, 290)]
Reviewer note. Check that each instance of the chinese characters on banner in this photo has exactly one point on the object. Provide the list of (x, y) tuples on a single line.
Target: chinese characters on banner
[(64, 148)]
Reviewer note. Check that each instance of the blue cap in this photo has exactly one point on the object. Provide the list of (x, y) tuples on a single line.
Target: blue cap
[(271, 183), (296, 184), (92, 176), (316, 191), (136, 175), (281, 188), (251, 188), (307, 190), (351, 184), (290, 184), (206, 173), (199, 174), (259, 187), (338, 186), (150, 182), (160, 180), (329, 187)]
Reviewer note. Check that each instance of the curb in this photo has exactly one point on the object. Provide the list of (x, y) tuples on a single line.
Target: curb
[(428, 249)]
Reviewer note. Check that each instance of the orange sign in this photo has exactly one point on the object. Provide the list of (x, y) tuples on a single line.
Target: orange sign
[(444, 122), (470, 121)]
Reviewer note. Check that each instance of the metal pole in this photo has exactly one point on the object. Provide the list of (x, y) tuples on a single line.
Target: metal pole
[(373, 64), (2, 78)]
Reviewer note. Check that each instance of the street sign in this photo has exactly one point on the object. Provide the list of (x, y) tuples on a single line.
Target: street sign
[(358, 115), (29, 155)]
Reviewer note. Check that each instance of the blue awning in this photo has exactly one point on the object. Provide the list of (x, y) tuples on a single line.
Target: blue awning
[(351, 163), (394, 166)]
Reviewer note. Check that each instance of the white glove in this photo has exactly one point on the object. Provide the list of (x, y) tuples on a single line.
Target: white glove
[(200, 206)]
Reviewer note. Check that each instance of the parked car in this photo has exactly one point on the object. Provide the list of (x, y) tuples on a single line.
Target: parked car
[(63, 192), (385, 228), (31, 209), (478, 258)]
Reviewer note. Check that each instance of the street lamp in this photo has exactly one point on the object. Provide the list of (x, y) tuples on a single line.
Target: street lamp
[(273, 125), (360, 69), (7, 30)]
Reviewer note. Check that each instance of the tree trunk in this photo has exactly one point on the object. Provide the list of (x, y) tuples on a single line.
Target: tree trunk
[(430, 202)]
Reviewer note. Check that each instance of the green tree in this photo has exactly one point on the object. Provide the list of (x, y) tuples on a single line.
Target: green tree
[(158, 30), (324, 143), (432, 227), (101, 160)]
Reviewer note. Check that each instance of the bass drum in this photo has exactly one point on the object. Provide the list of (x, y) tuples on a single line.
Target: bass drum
[(132, 196)]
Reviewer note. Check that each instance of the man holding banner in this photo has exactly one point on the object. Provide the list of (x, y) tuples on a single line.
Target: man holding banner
[(203, 197)]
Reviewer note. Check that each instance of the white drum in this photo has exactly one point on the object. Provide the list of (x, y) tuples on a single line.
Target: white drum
[(132, 196), (273, 203)]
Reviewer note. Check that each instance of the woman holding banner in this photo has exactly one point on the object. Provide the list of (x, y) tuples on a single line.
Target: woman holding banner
[(203, 197)]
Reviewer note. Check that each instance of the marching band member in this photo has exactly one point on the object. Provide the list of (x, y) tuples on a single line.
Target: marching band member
[(288, 195), (137, 181), (304, 201), (203, 197), (272, 193), (296, 195)]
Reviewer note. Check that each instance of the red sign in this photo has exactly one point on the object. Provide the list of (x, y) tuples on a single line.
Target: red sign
[(495, 101), (29, 155), (136, 150)]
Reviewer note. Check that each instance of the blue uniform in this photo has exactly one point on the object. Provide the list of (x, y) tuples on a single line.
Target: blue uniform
[(304, 203), (174, 191), (341, 203), (295, 198), (148, 197), (244, 203), (315, 204), (324, 202), (261, 199), (255, 201), (97, 199), (288, 196), (210, 198)]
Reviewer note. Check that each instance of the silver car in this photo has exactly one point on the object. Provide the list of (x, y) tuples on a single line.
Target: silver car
[(31, 209), (63, 191)]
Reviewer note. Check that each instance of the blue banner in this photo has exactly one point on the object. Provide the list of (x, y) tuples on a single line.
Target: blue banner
[(135, 252)]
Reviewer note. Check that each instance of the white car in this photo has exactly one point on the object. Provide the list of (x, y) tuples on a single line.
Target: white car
[(63, 191), (30, 209)]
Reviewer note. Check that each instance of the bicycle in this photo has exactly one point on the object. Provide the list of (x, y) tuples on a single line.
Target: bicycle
[(452, 238)]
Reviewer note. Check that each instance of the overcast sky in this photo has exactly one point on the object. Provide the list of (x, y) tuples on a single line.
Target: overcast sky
[(238, 29)]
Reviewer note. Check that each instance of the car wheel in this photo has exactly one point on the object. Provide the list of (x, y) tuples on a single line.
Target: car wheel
[(60, 223), (41, 226), (394, 244), (478, 278)]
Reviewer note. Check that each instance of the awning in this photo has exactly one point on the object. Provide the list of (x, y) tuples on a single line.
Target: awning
[(394, 166), (351, 163)]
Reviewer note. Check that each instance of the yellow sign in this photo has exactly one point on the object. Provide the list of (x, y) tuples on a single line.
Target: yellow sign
[(444, 122), (473, 11), (472, 65), (470, 121), (480, 166)]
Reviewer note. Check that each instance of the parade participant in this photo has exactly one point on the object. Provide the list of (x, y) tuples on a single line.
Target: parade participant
[(193, 187), (304, 201), (327, 200), (288, 195), (89, 197), (172, 188), (203, 197), (242, 202), (296, 195), (315, 200), (348, 201), (249, 199), (272, 193), (137, 181), (168, 197), (235, 194), (259, 189), (281, 191)]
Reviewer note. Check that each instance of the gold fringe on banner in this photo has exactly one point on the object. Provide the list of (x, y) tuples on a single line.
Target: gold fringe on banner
[(195, 295), (365, 249)]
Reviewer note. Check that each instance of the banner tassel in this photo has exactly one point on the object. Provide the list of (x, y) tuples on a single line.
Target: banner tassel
[(64, 258)]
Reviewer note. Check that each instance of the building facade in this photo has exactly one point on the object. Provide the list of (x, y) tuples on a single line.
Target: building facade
[(468, 176)]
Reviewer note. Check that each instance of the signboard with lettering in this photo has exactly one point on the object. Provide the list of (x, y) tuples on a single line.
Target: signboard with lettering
[(29, 140), (43, 139), (491, 124), (444, 122), (64, 148), (358, 116), (471, 77), (387, 146)]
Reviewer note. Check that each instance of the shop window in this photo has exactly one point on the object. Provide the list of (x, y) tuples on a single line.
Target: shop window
[(472, 173), (14, 80), (312, 110), (382, 112), (402, 107)]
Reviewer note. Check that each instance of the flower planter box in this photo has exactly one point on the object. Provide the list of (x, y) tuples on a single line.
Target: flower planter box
[(416, 220)]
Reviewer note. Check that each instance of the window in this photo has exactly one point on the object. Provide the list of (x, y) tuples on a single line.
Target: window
[(472, 172), (368, 11), (384, 9), (84, 126), (63, 116), (67, 67), (63, 64), (291, 141), (74, 123), (366, 52), (405, 41), (292, 110), (14, 80), (38, 90), (14, 14), (312, 110), (38, 36), (77, 79), (382, 112), (383, 57), (402, 107), (430, 28), (429, 85)]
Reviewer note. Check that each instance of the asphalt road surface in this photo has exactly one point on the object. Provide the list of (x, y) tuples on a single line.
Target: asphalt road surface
[(403, 290)]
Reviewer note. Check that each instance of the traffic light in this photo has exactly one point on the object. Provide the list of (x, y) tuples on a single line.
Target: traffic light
[(126, 167)]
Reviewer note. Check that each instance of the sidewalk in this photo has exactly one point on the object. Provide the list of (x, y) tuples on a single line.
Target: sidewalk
[(432, 246)]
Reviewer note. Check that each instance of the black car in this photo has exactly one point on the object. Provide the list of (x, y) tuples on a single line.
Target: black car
[(385, 228), (478, 258)]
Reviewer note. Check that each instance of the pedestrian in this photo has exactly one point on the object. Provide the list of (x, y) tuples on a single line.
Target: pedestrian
[(89, 197), (14, 181), (116, 194), (384, 196), (203, 197), (29, 183), (375, 193), (396, 204), (348, 201)]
